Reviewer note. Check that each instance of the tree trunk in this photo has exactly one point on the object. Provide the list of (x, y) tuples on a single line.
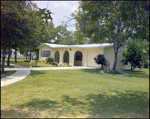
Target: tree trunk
[(9, 54), (15, 55), (3, 60), (26, 54), (30, 55), (131, 67), (115, 62), (102, 67)]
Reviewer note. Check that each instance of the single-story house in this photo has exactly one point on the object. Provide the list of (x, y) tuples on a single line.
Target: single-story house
[(80, 55)]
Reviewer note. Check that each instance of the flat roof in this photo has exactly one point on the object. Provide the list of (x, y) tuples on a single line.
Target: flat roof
[(101, 45)]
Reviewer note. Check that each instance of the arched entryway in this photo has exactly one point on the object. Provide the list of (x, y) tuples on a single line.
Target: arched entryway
[(78, 59), (56, 57), (66, 57)]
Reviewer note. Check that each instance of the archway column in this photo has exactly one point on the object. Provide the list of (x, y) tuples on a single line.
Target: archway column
[(85, 59), (71, 58), (60, 57)]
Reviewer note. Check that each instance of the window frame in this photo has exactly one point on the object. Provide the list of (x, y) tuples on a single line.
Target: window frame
[(46, 55)]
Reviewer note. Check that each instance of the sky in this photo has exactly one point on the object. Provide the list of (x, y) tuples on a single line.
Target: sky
[(61, 10)]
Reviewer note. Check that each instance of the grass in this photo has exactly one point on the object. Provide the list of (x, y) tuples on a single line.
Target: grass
[(77, 93), (7, 73), (20, 61)]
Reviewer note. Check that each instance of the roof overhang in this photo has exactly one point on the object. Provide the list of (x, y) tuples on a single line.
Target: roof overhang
[(102, 45)]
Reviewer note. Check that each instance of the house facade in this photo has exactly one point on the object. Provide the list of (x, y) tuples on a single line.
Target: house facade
[(80, 55)]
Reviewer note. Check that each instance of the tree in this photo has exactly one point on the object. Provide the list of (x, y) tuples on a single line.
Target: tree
[(100, 59), (17, 25), (10, 22), (134, 55), (113, 21)]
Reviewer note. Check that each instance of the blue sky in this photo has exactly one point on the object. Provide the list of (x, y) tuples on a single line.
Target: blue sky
[(61, 10)]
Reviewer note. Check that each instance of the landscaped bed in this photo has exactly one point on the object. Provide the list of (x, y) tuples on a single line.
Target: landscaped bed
[(77, 93)]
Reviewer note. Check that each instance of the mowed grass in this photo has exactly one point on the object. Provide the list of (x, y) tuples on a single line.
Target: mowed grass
[(77, 93), (7, 73), (20, 61)]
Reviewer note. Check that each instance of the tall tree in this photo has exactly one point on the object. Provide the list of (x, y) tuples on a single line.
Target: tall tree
[(113, 21), (17, 25)]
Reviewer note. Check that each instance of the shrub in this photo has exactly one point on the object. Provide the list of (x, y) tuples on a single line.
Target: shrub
[(27, 60), (100, 59), (49, 60), (134, 55)]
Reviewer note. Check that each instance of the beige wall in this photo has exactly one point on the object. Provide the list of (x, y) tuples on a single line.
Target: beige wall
[(44, 48), (120, 57), (109, 55)]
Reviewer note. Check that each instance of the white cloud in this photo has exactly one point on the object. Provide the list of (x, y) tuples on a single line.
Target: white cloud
[(66, 6), (62, 4), (74, 8)]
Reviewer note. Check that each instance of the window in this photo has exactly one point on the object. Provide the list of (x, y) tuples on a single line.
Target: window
[(78, 56), (46, 53)]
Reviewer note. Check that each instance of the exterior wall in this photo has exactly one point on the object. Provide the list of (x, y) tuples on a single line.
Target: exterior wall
[(109, 55), (91, 53), (45, 48), (120, 57)]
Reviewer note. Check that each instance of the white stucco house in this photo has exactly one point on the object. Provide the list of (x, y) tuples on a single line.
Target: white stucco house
[(80, 55)]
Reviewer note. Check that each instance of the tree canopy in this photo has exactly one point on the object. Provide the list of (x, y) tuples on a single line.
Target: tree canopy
[(113, 21)]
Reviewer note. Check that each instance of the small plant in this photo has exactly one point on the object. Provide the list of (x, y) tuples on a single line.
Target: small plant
[(49, 60), (27, 60), (100, 59)]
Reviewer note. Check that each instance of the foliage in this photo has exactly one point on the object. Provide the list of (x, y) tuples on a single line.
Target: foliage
[(17, 25), (146, 64), (27, 60), (113, 21), (100, 59), (134, 55), (49, 60)]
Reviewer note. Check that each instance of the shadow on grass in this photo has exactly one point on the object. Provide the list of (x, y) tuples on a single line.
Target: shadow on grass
[(128, 104), (136, 73), (12, 113), (119, 104), (72, 101), (38, 104), (93, 71), (35, 73)]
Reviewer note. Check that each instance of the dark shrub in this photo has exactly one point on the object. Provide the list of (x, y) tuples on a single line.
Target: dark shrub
[(49, 60), (27, 60)]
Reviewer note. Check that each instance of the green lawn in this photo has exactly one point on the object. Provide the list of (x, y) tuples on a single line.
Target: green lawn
[(20, 61), (77, 93), (7, 73)]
